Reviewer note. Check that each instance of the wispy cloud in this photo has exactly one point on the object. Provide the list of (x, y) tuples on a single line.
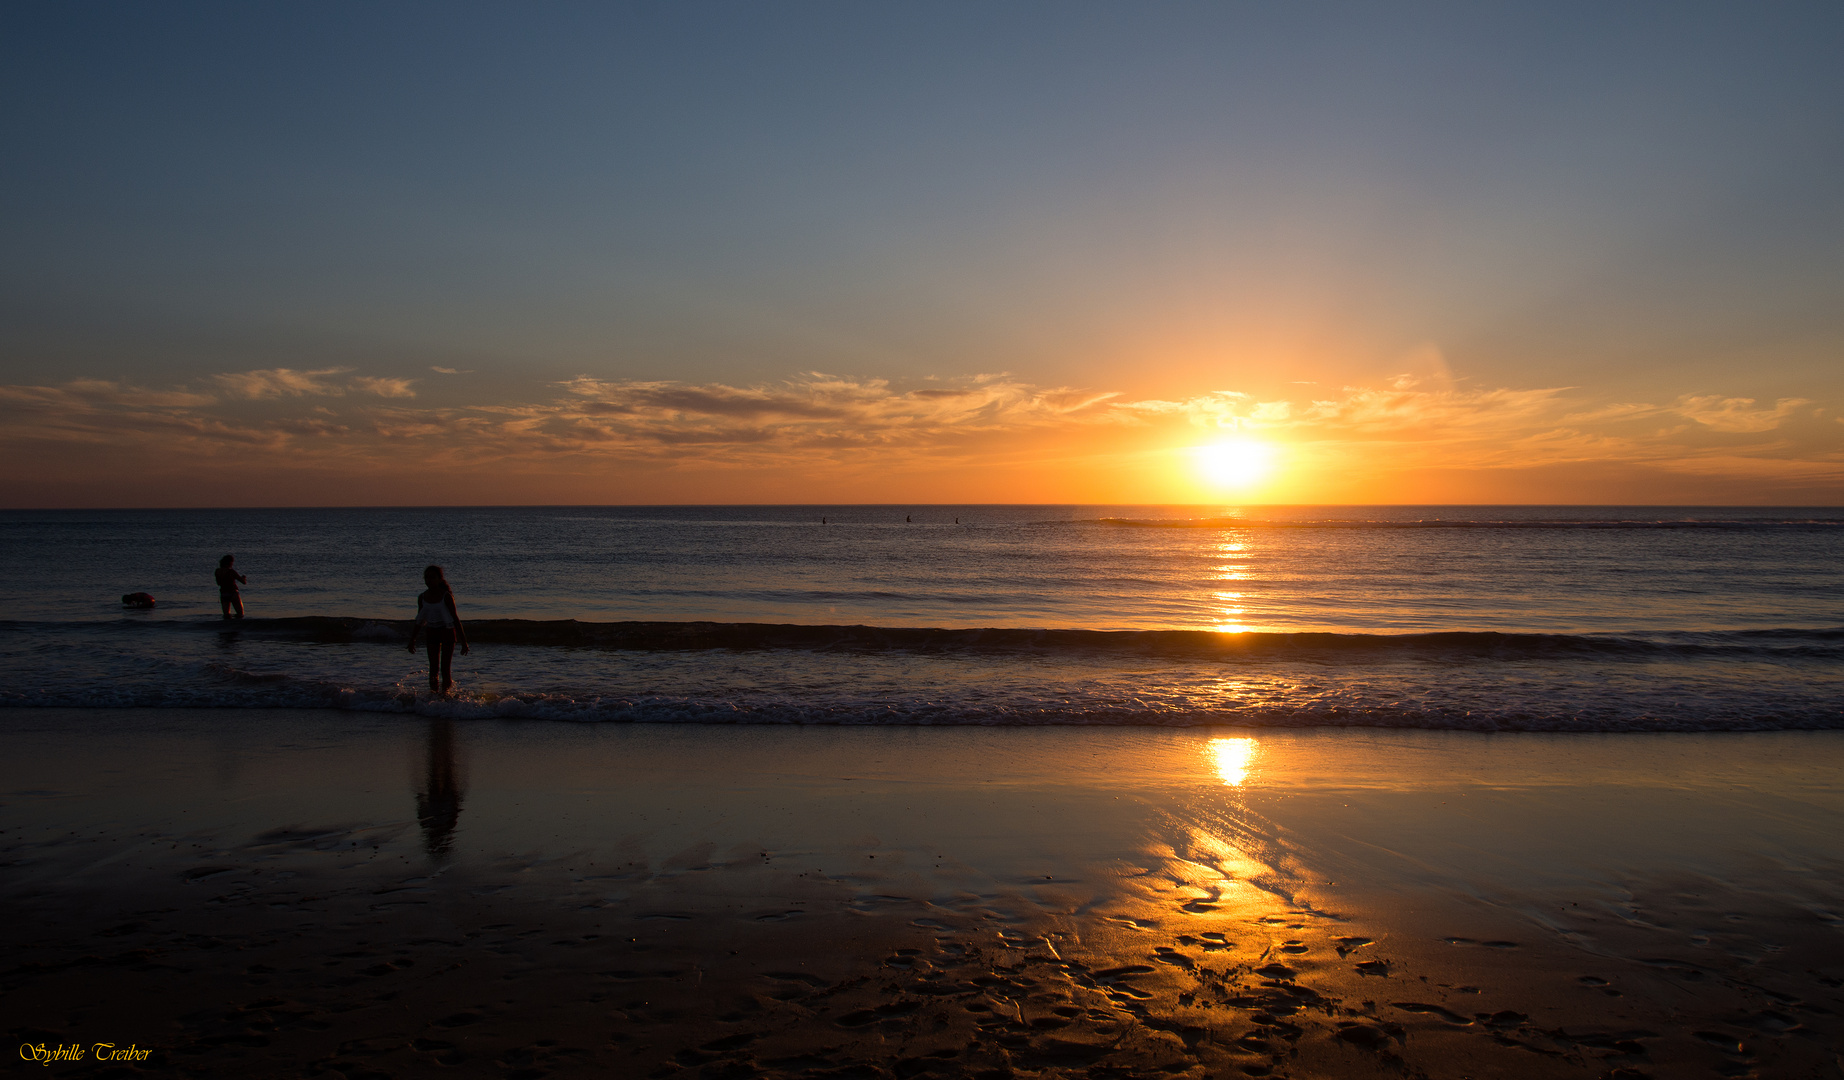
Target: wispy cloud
[(81, 393), (1713, 411), (287, 382), (820, 404), (279, 382), (392, 388), (1736, 414)]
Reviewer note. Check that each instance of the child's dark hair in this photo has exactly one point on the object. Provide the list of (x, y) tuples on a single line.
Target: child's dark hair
[(432, 577), (228, 559)]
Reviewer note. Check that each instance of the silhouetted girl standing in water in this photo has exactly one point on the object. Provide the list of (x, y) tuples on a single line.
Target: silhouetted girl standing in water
[(228, 578), (435, 610)]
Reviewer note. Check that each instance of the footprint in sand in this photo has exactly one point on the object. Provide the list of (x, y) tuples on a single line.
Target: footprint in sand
[(1364, 1034), (628, 975), (1114, 981), (904, 959), (1349, 945), (1504, 1018), (1728, 1044), (1432, 1010), (1772, 1023), (1165, 954), (460, 1019), (888, 1011)]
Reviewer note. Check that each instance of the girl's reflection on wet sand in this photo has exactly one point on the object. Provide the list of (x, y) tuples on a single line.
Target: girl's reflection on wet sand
[(438, 803)]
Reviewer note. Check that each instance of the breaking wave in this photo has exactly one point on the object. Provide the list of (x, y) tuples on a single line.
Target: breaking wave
[(1824, 643), (756, 673)]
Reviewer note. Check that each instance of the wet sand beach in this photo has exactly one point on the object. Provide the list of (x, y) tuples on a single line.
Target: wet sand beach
[(278, 893)]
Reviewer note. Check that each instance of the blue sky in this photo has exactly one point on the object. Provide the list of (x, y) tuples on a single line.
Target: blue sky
[(1637, 209)]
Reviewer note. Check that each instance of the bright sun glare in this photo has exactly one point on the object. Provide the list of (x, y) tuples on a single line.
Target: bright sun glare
[(1235, 463), (1231, 758)]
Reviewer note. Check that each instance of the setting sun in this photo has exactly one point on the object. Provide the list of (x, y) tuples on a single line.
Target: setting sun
[(1236, 463)]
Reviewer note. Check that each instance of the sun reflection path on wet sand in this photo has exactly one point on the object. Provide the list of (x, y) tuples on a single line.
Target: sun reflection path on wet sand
[(1456, 905), (1231, 758)]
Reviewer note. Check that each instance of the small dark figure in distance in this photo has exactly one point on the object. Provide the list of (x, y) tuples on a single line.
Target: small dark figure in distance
[(228, 597), (139, 600), (435, 610)]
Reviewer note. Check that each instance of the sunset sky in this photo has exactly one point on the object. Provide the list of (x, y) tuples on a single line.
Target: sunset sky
[(396, 253)]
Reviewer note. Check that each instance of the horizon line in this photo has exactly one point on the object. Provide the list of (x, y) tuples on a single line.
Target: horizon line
[(822, 505)]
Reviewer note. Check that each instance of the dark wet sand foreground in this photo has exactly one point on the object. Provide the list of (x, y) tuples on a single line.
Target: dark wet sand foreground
[(320, 894)]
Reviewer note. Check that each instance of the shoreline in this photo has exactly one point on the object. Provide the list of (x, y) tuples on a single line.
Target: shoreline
[(267, 893)]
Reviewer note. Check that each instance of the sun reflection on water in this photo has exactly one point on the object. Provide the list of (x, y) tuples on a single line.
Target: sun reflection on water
[(1231, 757), (1229, 604)]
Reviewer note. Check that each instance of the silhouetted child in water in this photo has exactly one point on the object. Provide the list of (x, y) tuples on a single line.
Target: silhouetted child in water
[(228, 596), (435, 609)]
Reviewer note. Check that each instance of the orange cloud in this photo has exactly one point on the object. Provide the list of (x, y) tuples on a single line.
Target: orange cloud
[(1713, 411), (1735, 414), (287, 382)]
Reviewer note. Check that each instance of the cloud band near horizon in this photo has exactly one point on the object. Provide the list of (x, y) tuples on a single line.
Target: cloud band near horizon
[(283, 437)]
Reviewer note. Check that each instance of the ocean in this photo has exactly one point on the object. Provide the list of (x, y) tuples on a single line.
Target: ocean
[(1548, 618)]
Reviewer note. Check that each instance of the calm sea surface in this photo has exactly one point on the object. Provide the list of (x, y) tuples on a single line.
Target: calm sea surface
[(1555, 618)]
